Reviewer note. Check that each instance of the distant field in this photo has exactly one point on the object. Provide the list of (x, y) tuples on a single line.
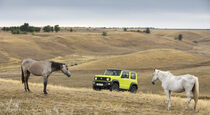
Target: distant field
[(88, 53)]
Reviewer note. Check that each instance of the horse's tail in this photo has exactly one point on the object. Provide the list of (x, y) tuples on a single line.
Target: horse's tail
[(23, 80), (196, 92)]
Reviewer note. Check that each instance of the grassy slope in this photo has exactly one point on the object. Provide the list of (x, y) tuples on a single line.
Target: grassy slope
[(95, 53), (50, 45), (148, 59), (86, 101)]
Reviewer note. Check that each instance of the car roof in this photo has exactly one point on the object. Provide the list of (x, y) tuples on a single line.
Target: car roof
[(122, 70)]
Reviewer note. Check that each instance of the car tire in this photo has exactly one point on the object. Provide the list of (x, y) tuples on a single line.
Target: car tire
[(133, 89), (114, 87), (96, 88)]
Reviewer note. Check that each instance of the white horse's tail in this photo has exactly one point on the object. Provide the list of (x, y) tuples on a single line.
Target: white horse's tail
[(196, 92)]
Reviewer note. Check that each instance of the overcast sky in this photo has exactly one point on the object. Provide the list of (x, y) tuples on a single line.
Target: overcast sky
[(109, 13)]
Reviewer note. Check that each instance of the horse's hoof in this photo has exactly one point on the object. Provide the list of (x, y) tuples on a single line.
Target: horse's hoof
[(45, 93), (186, 109)]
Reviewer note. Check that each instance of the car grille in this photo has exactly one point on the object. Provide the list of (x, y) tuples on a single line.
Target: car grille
[(101, 78)]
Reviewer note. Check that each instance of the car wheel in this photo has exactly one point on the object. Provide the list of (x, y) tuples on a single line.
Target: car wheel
[(133, 89), (96, 88), (115, 87)]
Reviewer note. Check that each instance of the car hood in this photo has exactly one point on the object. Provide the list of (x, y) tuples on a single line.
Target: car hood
[(102, 76)]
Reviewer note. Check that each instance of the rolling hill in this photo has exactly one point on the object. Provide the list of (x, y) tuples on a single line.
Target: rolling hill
[(147, 59), (88, 53)]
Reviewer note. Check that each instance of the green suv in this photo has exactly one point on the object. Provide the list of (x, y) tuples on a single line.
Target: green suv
[(115, 80)]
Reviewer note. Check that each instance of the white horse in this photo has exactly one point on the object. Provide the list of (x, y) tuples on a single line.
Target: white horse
[(172, 83)]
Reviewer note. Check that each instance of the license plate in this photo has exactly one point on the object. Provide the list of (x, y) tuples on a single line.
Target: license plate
[(99, 84)]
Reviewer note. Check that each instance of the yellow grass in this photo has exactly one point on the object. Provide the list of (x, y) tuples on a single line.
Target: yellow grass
[(89, 53), (64, 100), (148, 59)]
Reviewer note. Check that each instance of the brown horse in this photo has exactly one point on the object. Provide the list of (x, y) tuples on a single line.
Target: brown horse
[(41, 68)]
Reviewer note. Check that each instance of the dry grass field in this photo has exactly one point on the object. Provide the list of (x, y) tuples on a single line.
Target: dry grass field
[(64, 100), (88, 53)]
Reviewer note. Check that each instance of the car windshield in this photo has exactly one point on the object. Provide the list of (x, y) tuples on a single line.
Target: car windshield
[(113, 72)]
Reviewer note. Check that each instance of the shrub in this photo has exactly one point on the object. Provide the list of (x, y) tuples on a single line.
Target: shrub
[(138, 31), (22, 32), (37, 29), (71, 30), (14, 31), (104, 33), (17, 31), (133, 30), (195, 41), (125, 29), (147, 30)]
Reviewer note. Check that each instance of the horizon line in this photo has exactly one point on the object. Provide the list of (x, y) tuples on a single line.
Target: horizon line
[(121, 27)]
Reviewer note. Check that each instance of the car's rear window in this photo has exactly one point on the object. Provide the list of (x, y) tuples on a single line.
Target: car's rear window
[(113, 72)]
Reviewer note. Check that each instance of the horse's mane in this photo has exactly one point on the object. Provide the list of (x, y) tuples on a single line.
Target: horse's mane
[(168, 73), (56, 65)]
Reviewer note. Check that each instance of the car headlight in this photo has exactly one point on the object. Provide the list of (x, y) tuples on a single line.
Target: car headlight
[(108, 79), (95, 78)]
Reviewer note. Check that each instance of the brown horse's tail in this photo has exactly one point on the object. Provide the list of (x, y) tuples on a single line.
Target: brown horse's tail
[(196, 92), (23, 80)]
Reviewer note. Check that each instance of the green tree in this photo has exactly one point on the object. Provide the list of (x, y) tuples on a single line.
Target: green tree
[(147, 30), (57, 28), (180, 37), (24, 27), (47, 28), (51, 29)]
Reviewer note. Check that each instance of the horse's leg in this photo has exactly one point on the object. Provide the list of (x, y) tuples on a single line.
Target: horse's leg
[(168, 94), (27, 77), (25, 85), (188, 99), (45, 79), (195, 102)]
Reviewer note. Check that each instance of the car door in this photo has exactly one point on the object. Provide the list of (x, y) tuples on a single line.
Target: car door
[(124, 80)]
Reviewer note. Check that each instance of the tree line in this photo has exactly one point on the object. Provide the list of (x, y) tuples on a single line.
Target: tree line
[(147, 30), (23, 29)]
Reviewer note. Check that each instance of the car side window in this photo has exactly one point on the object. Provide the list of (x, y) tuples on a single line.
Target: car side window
[(125, 75), (133, 76)]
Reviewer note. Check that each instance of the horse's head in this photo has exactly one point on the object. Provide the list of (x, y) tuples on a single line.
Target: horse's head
[(155, 76), (65, 70)]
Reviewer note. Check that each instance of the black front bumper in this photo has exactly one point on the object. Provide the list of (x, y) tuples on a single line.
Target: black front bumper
[(102, 85)]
